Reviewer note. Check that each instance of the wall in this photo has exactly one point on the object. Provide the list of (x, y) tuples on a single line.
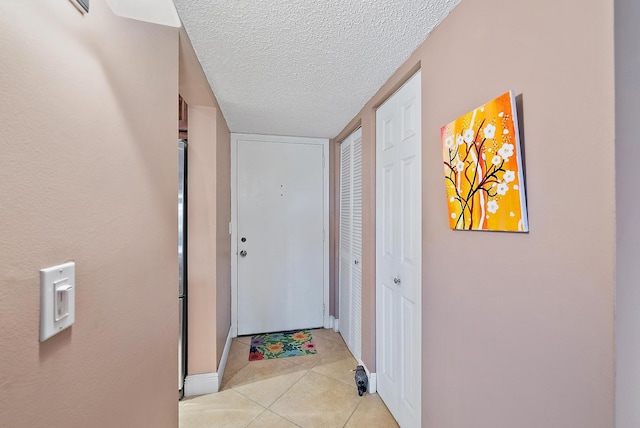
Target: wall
[(334, 227), (88, 173), (527, 340), (627, 55), (209, 272), (201, 242), (223, 238)]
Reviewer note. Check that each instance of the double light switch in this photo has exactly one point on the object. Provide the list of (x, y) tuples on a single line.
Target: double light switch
[(57, 299)]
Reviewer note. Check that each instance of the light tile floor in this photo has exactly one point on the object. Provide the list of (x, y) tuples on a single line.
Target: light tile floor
[(309, 391)]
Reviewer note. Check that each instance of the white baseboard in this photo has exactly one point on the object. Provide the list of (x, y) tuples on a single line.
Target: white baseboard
[(208, 383), (373, 384), (225, 355), (332, 322), (199, 384), (336, 325)]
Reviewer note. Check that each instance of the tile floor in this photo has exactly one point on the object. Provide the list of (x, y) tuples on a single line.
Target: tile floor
[(309, 391)]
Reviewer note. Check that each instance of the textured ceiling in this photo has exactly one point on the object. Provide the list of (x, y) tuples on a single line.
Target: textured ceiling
[(303, 67)]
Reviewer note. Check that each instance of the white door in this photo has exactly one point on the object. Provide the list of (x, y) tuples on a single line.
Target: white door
[(398, 253), (351, 242), (279, 236)]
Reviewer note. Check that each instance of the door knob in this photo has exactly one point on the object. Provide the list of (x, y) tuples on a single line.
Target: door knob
[(396, 280), (355, 262), (243, 253)]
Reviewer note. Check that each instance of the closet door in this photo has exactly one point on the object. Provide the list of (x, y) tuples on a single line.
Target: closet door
[(345, 241), (356, 247), (399, 253), (351, 242)]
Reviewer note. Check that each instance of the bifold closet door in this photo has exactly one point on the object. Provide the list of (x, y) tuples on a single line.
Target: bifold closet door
[(351, 242)]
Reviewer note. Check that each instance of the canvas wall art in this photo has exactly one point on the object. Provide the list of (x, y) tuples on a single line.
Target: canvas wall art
[(483, 169)]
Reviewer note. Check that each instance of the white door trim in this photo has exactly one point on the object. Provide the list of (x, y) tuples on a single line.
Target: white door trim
[(324, 143)]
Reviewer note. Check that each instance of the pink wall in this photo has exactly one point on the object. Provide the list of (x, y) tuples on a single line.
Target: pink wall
[(88, 173), (209, 271), (526, 341)]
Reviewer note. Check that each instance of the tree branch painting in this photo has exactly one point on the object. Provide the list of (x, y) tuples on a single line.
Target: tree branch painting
[(483, 169)]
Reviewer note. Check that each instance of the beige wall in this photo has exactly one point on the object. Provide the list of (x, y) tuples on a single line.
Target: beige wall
[(527, 340), (201, 241), (88, 173), (209, 214), (223, 238), (627, 54), (334, 227)]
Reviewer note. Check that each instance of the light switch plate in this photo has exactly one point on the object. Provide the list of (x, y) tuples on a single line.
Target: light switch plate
[(57, 299)]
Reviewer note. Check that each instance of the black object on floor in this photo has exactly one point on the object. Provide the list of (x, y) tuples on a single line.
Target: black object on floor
[(362, 381)]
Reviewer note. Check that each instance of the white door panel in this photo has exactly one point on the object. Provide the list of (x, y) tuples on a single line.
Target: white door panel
[(280, 236), (346, 226), (398, 252), (387, 213), (356, 248), (351, 242)]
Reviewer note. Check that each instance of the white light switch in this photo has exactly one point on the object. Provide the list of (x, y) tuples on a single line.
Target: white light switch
[(61, 304), (57, 299)]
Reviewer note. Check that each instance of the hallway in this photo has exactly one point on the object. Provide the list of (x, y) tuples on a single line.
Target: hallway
[(309, 391), (523, 330)]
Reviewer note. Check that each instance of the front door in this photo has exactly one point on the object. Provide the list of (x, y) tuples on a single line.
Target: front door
[(280, 234), (398, 253)]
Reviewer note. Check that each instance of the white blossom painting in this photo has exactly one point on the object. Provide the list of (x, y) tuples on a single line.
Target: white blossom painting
[(483, 169)]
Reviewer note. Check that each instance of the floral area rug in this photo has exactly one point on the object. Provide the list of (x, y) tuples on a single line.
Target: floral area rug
[(281, 345)]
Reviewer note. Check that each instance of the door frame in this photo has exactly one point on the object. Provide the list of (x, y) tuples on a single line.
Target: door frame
[(233, 226)]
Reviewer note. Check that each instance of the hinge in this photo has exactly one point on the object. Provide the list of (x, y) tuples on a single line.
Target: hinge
[(323, 235), (323, 309), (323, 159)]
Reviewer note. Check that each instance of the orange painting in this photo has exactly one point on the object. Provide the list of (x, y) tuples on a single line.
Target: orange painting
[(483, 169)]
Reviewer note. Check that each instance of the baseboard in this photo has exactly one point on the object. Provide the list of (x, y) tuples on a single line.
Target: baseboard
[(332, 322), (199, 384), (336, 325), (373, 384), (208, 383), (225, 355)]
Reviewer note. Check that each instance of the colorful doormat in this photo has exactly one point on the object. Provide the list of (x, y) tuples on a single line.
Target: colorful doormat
[(281, 345)]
